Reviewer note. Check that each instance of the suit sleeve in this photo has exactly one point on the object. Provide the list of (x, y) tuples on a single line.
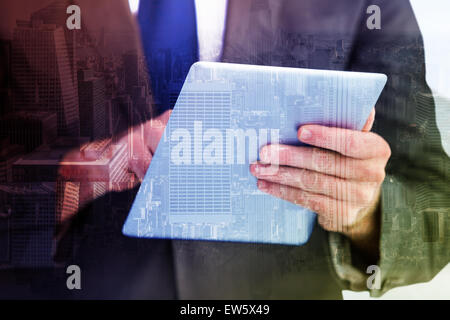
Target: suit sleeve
[(415, 200)]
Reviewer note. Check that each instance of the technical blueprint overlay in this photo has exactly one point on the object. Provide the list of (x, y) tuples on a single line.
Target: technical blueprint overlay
[(199, 186)]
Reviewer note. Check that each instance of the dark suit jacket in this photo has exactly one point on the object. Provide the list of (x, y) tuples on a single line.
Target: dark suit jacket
[(295, 33)]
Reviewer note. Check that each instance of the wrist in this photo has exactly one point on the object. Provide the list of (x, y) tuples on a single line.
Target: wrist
[(365, 233)]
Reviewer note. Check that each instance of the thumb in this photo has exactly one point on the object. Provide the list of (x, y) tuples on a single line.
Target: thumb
[(154, 130), (369, 123)]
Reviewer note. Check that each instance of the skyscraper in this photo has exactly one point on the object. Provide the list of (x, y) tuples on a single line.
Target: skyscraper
[(91, 98), (123, 120), (32, 221), (263, 40), (43, 77), (29, 129), (67, 199), (5, 222), (320, 58), (5, 76), (425, 102), (55, 13), (9, 153), (131, 70), (98, 161)]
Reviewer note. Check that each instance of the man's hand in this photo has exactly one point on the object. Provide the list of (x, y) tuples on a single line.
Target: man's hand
[(141, 140), (145, 139), (339, 178)]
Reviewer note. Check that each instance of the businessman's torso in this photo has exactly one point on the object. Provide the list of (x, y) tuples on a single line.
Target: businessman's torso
[(308, 34)]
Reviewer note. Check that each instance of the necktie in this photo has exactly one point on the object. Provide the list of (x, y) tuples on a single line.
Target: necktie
[(169, 37)]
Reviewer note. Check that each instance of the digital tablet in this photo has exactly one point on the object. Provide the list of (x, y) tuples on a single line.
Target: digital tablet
[(199, 185)]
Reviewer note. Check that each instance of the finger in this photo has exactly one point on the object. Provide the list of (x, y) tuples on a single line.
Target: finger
[(369, 123), (164, 117), (312, 181), (351, 143), (139, 166), (324, 161), (334, 213), (154, 129), (141, 154)]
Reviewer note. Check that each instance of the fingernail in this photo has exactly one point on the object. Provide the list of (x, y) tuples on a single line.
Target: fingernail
[(264, 155), (262, 185), (265, 170), (305, 134), (254, 168)]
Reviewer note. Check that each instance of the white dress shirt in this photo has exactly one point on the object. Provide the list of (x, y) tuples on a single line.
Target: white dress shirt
[(211, 19)]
